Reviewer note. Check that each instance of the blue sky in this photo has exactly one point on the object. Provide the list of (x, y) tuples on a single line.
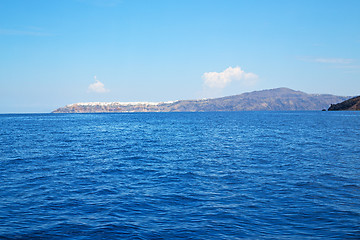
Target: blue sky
[(140, 50)]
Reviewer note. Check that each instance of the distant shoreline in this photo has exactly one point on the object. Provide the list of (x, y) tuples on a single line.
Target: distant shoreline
[(278, 99)]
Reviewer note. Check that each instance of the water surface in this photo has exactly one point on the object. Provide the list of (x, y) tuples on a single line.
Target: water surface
[(220, 175)]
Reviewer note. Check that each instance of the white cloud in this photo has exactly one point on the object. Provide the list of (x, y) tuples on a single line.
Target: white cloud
[(349, 66), (97, 87), (334, 60), (29, 32), (329, 60), (222, 79)]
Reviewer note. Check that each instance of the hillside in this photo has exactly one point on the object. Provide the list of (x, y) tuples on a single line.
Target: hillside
[(279, 99), (352, 104)]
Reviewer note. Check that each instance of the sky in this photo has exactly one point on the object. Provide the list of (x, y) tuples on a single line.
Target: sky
[(54, 53)]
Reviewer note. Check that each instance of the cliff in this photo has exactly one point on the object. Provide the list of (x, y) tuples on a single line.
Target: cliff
[(279, 99), (352, 104)]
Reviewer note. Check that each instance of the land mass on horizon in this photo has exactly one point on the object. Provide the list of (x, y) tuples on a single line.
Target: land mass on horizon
[(278, 99)]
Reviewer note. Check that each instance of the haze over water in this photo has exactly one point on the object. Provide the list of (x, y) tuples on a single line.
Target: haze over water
[(218, 175)]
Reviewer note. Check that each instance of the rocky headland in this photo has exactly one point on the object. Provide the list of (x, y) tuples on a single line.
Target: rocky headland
[(352, 104)]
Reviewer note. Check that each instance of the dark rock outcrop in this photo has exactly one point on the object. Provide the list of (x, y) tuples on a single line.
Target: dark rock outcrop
[(352, 104), (279, 99)]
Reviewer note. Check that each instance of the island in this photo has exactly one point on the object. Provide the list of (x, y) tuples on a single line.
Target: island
[(278, 99)]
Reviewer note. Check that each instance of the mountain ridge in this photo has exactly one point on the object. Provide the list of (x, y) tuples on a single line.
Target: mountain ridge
[(277, 99)]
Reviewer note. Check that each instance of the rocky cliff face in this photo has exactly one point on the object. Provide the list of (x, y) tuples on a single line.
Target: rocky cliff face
[(352, 104), (279, 99)]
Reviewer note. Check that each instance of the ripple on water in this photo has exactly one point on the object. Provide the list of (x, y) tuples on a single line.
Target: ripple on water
[(254, 175)]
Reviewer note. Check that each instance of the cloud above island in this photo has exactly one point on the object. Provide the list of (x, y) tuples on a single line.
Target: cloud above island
[(97, 87), (224, 78)]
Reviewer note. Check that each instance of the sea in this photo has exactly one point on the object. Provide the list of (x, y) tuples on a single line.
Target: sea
[(205, 175)]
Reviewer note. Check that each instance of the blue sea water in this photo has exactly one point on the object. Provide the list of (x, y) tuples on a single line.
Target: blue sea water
[(218, 175)]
